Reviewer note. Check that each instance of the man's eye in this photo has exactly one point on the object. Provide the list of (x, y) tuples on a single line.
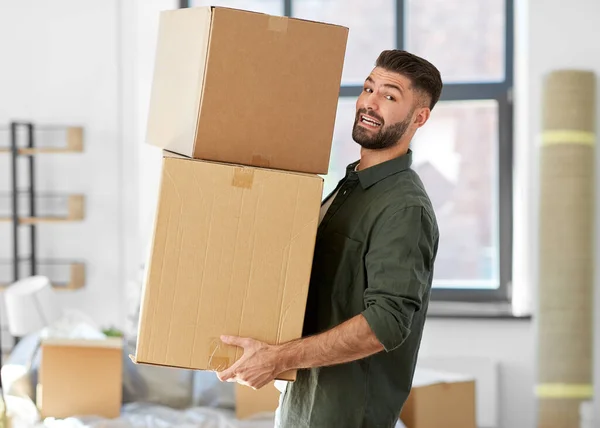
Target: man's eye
[(389, 97), (368, 90)]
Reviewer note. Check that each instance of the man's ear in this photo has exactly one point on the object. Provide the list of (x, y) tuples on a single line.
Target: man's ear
[(422, 116)]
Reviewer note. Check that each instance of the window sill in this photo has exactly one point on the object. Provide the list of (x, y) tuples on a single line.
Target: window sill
[(479, 310)]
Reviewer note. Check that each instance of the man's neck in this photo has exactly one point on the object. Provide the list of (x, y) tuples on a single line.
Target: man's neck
[(369, 158)]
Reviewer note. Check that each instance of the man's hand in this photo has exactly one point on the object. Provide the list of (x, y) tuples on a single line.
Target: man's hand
[(261, 363), (258, 366)]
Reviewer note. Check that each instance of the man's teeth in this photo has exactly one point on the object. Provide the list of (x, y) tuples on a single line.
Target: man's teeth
[(369, 121)]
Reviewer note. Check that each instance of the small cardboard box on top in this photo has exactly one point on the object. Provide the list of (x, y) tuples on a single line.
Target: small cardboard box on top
[(80, 377), (231, 254), (246, 88)]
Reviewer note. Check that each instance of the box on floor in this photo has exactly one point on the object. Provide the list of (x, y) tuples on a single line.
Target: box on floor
[(231, 254), (440, 400), (80, 377), (250, 402), (246, 88)]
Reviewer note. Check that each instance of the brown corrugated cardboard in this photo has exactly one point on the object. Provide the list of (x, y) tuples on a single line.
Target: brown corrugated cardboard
[(250, 402), (246, 88), (443, 404), (80, 377), (231, 254)]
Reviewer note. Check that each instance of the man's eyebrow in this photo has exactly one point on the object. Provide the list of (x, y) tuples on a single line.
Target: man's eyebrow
[(396, 87), (386, 85)]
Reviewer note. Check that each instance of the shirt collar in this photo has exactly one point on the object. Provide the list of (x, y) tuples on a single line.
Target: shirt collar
[(376, 173)]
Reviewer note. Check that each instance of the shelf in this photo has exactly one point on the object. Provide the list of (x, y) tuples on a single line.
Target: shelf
[(74, 280), (74, 143), (75, 212)]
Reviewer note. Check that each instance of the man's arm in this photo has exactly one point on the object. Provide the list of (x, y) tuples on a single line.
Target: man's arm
[(398, 265), (349, 341)]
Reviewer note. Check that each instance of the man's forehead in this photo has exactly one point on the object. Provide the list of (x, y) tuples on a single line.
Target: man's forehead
[(382, 76)]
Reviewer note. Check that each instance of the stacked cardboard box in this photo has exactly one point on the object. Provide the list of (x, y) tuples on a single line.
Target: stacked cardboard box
[(243, 105), (80, 377)]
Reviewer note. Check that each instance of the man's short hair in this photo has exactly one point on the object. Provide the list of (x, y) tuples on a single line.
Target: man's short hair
[(424, 76)]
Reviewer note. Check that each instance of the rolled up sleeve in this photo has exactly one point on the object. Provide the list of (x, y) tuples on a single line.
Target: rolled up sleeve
[(399, 265)]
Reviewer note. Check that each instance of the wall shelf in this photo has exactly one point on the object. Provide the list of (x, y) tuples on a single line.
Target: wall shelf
[(70, 141), (27, 214), (73, 143), (75, 211), (69, 274)]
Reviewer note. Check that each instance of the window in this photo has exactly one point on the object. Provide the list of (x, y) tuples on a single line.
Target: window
[(464, 153)]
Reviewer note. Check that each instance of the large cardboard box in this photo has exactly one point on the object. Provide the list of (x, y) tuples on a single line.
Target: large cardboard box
[(440, 400), (80, 377), (231, 254), (250, 402), (246, 88)]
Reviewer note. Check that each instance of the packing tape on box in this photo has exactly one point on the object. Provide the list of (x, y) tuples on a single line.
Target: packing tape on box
[(261, 161), (278, 23), (565, 136), (218, 358), (564, 390), (243, 177)]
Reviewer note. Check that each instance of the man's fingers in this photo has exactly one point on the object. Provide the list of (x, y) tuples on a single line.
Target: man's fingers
[(228, 375), (235, 341)]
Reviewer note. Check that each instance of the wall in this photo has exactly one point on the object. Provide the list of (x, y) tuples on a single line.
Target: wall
[(149, 157), (62, 65)]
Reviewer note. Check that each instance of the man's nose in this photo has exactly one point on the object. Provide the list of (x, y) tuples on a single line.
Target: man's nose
[(371, 103)]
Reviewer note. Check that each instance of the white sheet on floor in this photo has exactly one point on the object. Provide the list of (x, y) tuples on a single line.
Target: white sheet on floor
[(138, 415)]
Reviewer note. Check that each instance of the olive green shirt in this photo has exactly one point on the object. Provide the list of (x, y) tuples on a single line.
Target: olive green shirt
[(374, 256)]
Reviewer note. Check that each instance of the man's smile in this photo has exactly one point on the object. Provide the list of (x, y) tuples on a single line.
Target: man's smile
[(369, 121)]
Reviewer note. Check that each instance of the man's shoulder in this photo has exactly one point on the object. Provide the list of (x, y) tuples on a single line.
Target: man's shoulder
[(406, 190)]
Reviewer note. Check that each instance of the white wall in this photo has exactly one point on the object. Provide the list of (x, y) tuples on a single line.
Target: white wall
[(149, 157), (61, 65)]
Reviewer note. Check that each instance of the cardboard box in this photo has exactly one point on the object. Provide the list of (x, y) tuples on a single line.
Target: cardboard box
[(80, 377), (231, 254), (250, 402), (246, 88), (440, 400)]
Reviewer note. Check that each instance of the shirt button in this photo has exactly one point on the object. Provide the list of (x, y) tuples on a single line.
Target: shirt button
[(345, 191)]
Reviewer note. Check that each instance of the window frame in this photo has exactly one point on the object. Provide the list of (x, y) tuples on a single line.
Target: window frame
[(501, 92)]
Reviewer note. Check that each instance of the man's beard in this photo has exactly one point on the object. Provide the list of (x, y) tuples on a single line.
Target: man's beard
[(384, 138)]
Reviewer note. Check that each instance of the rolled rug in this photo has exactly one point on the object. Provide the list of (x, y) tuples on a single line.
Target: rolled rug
[(566, 261)]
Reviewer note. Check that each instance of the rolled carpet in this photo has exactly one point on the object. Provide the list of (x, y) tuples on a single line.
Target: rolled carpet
[(566, 243)]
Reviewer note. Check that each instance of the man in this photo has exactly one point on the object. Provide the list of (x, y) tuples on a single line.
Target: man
[(372, 272)]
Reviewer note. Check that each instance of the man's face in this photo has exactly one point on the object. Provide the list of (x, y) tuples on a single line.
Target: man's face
[(384, 110)]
